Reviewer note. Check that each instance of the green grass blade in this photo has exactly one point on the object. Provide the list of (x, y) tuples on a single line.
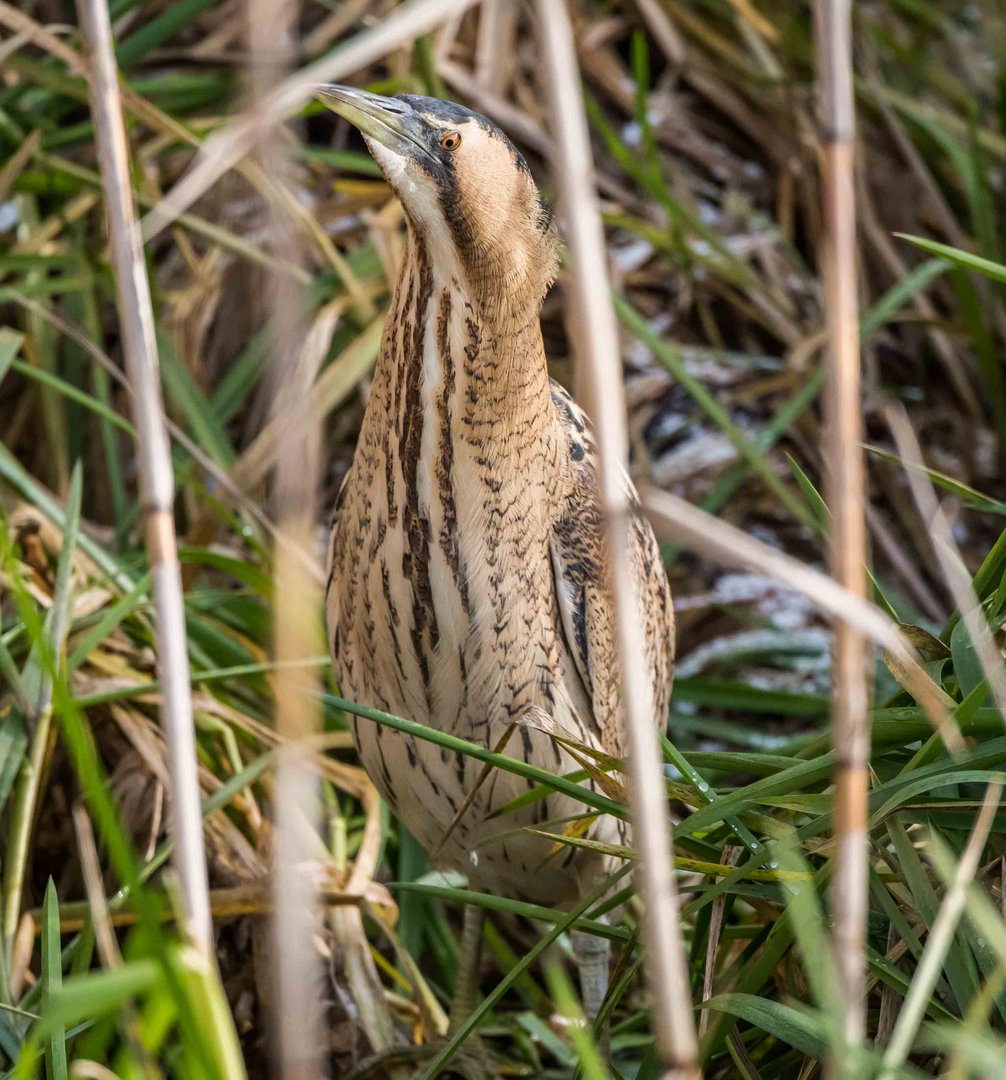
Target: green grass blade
[(182, 390), (52, 980), (39, 675), (895, 298), (86, 997), (73, 393), (737, 827), (12, 677), (588, 1054), (109, 621), (205, 992), (669, 357), (10, 346), (434, 1068), (804, 909), (959, 968), (789, 780), (796, 1027), (514, 907), (480, 753), (965, 259), (158, 30)]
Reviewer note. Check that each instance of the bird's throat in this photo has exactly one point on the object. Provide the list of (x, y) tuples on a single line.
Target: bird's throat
[(459, 366)]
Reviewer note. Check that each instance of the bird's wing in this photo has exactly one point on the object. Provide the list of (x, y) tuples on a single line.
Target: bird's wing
[(584, 597)]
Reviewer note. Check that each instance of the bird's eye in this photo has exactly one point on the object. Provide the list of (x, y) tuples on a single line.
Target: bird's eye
[(450, 141)]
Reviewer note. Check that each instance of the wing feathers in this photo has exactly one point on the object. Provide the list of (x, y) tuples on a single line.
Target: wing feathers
[(584, 599)]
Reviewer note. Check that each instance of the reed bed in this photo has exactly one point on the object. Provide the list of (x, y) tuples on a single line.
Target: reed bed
[(809, 317)]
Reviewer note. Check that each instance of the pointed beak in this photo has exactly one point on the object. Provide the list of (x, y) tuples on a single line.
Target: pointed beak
[(388, 121)]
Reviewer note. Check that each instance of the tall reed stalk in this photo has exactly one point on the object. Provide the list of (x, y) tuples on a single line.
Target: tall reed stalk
[(845, 493), (297, 991), (136, 318), (595, 335)]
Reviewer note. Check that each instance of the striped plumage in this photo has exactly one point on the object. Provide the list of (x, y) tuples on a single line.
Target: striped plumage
[(466, 587)]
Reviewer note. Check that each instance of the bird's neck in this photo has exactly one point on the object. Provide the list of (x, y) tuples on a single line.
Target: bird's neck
[(471, 363)]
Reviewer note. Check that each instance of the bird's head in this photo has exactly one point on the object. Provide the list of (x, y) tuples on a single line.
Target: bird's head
[(465, 187)]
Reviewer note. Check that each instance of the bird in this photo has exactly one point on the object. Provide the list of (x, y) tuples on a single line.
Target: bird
[(467, 576)]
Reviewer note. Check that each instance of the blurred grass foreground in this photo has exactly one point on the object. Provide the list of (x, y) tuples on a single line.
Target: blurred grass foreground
[(708, 152)]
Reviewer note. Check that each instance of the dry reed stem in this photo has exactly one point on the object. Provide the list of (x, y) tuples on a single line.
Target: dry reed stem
[(252, 898), (845, 492), (930, 967), (952, 565), (297, 991), (677, 520), (233, 487), (98, 914), (225, 148), (596, 337), (156, 481)]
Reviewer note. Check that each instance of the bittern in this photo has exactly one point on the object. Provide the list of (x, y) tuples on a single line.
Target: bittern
[(467, 586)]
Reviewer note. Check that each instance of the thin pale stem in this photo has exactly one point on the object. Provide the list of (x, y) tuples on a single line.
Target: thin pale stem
[(156, 480), (947, 554), (596, 338), (297, 993), (846, 497)]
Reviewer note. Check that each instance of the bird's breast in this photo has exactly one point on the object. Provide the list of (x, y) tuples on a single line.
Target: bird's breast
[(470, 646), (440, 559), (441, 599)]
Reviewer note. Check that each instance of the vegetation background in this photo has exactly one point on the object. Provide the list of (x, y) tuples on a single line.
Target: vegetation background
[(702, 116)]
